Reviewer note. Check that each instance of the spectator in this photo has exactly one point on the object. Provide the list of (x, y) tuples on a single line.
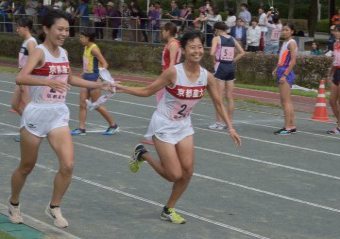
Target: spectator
[(42, 10), (70, 11), (336, 18), (263, 25), (99, 12), (245, 14), (273, 35), (253, 36), (205, 7), (154, 17), (5, 15), (184, 10), (187, 20), (213, 16), (141, 19), (331, 39), (31, 7), (239, 32), (231, 19), (126, 18), (58, 5), (83, 13), (114, 18), (199, 22), (174, 14), (19, 8), (316, 51)]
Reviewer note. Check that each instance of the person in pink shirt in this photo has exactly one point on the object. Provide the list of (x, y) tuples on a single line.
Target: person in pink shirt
[(99, 12)]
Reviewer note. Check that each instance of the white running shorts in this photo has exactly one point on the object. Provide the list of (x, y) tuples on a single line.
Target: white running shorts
[(169, 131), (40, 119)]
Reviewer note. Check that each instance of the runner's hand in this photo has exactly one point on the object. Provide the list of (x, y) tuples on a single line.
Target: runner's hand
[(58, 85), (108, 86), (236, 138)]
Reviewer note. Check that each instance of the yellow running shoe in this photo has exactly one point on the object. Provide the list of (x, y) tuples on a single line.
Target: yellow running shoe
[(171, 216), (137, 159)]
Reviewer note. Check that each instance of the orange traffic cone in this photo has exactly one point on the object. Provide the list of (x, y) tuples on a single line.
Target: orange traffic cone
[(320, 112)]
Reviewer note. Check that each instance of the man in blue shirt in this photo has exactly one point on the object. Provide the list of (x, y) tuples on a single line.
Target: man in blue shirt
[(239, 32), (83, 13)]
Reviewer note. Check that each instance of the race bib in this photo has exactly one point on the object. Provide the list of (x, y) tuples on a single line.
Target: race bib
[(181, 111), (275, 36), (52, 96), (336, 57), (227, 53)]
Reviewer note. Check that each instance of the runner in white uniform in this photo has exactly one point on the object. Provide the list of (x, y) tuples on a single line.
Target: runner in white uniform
[(170, 126), (21, 96), (47, 72)]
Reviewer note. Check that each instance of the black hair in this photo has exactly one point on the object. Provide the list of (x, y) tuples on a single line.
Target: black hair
[(220, 26), (49, 19), (244, 5), (291, 26), (276, 19), (171, 27), (231, 12), (89, 33), (52, 16), (25, 22), (191, 35)]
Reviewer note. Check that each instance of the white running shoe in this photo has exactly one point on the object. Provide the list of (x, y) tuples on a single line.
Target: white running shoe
[(14, 213), (55, 214), (218, 126)]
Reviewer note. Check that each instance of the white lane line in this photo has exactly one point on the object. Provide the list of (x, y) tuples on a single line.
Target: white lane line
[(48, 230), (232, 183), (245, 137), (112, 189), (275, 143)]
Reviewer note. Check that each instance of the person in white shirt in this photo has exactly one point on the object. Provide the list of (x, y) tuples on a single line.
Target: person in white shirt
[(231, 19), (212, 17), (262, 25), (253, 36)]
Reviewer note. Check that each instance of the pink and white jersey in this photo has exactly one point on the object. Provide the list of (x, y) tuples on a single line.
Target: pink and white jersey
[(23, 53), (177, 102), (336, 53), (54, 68)]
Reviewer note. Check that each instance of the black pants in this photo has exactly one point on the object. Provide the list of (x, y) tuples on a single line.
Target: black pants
[(99, 29)]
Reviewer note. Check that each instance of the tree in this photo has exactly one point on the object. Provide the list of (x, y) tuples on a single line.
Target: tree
[(291, 9), (313, 17)]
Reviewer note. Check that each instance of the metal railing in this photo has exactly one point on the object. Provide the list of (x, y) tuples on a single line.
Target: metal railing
[(126, 29)]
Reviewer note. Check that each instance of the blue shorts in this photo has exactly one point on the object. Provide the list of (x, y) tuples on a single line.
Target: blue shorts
[(225, 71), (336, 77), (90, 76), (290, 77)]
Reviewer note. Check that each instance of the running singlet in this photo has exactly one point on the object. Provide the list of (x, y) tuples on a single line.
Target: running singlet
[(54, 68), (336, 53), (90, 62), (178, 101), (285, 55), (23, 53), (166, 54), (225, 52)]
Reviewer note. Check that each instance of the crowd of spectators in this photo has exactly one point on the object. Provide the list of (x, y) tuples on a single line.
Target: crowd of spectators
[(259, 31)]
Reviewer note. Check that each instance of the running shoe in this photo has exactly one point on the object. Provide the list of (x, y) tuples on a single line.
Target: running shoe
[(78, 132), (217, 126), (285, 131), (111, 130), (55, 214), (172, 216), (17, 138), (336, 130), (136, 158), (14, 213)]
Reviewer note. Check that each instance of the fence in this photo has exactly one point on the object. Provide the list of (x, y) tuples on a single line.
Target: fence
[(125, 29)]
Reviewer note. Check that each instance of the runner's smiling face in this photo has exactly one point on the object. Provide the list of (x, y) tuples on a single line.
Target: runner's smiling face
[(194, 50), (58, 32)]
